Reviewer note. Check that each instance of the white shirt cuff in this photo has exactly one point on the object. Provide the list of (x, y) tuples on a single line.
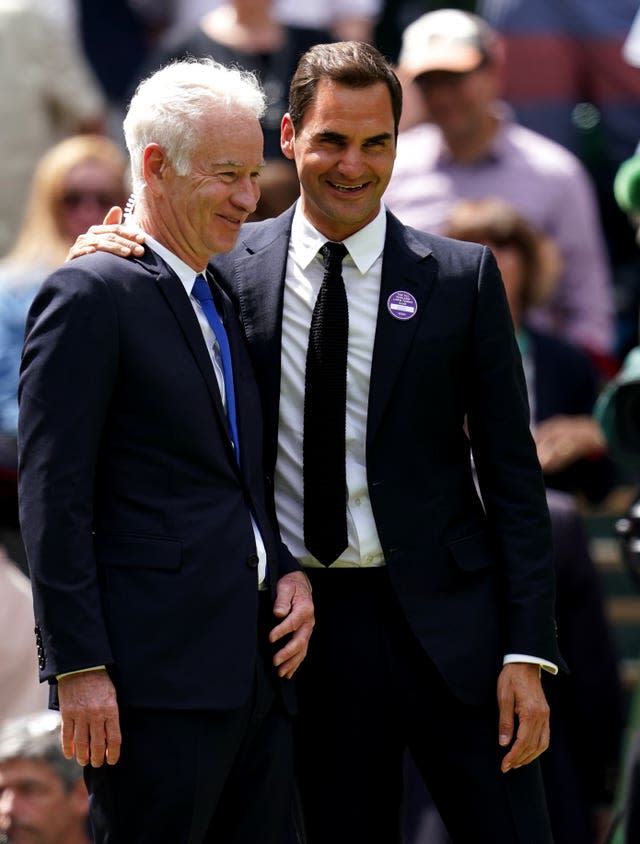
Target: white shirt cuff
[(542, 663)]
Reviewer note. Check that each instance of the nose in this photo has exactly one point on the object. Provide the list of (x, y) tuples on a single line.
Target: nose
[(247, 194), (350, 163)]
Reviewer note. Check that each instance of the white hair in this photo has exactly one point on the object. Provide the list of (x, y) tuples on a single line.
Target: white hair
[(168, 106)]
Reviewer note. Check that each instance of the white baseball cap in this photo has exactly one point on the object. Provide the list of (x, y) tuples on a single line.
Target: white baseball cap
[(447, 39)]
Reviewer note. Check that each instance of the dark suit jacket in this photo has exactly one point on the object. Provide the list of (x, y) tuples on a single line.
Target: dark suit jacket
[(136, 517), (474, 585)]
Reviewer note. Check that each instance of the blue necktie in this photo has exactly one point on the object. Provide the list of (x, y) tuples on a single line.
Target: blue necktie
[(202, 292)]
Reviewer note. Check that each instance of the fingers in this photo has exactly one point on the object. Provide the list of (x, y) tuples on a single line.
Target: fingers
[(530, 743), (300, 617), (294, 605), (521, 701), (505, 723), (113, 216), (67, 736), (90, 720), (117, 239), (289, 658), (94, 741), (114, 739)]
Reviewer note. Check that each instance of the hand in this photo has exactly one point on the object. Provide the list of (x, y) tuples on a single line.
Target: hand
[(293, 604), (111, 236), (90, 722), (561, 440), (520, 693)]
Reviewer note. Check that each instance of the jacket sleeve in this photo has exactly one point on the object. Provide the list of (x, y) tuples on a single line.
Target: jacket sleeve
[(509, 474), (67, 373)]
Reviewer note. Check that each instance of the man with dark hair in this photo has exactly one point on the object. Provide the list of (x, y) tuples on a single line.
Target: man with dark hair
[(43, 799), (427, 598)]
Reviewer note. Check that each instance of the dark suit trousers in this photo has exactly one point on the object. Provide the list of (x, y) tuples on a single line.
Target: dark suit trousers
[(200, 777), (368, 691)]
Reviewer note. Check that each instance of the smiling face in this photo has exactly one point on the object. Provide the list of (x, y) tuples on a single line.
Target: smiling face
[(199, 214), (344, 151)]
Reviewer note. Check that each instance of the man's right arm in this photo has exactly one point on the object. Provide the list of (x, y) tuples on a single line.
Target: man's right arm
[(67, 374)]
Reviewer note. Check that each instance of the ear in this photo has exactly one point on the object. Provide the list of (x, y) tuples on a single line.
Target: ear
[(287, 137), (154, 164)]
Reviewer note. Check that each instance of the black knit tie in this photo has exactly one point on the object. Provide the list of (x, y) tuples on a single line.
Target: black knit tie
[(325, 395)]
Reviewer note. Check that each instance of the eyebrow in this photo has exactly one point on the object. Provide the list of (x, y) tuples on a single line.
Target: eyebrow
[(231, 163), (336, 137)]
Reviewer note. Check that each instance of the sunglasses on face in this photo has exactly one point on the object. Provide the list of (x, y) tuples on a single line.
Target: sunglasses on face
[(76, 198)]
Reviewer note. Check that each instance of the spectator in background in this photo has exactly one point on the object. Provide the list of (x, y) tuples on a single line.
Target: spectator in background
[(569, 76), (353, 21), (43, 799), (47, 91), (346, 21), (472, 149), (20, 690), (560, 53), (128, 29), (74, 185), (562, 387), (247, 34), (562, 383)]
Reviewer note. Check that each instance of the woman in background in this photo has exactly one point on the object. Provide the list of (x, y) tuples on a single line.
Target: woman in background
[(74, 185)]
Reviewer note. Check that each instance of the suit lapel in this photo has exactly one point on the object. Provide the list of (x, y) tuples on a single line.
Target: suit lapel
[(259, 287), (403, 269), (178, 301)]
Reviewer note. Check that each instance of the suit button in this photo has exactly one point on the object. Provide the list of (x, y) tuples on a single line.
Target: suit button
[(252, 561)]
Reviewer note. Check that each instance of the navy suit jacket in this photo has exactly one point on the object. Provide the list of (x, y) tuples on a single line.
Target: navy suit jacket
[(475, 579), (136, 517)]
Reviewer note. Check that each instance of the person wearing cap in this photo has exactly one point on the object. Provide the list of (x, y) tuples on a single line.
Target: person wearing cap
[(471, 147), (43, 799)]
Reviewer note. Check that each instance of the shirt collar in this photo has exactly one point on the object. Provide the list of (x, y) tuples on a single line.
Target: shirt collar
[(185, 273), (365, 246)]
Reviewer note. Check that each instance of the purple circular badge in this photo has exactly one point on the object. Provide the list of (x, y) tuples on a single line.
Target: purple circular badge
[(402, 305)]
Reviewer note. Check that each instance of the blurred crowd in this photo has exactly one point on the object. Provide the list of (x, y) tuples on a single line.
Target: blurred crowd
[(519, 115)]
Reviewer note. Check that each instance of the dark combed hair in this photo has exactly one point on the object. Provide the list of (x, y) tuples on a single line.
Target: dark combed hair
[(354, 64)]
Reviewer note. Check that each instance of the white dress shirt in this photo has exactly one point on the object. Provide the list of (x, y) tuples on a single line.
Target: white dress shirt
[(361, 271)]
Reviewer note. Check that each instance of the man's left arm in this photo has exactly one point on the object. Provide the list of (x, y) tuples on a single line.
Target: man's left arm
[(514, 497)]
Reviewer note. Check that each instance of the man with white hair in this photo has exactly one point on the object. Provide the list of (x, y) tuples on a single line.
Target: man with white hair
[(155, 565)]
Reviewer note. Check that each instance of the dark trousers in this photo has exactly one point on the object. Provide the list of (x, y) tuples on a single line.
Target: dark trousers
[(367, 692), (199, 777)]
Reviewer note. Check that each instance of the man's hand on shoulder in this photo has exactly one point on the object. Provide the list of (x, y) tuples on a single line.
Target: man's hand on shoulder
[(294, 605), (90, 720), (520, 696), (111, 236)]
